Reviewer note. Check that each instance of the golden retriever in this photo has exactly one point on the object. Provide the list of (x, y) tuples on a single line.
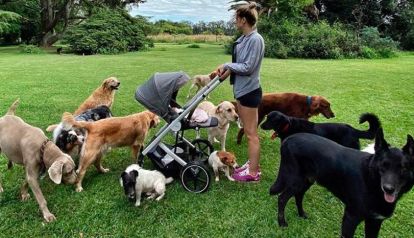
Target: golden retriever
[(110, 132), (103, 95)]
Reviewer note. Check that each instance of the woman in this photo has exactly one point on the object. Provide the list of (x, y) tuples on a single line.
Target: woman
[(248, 52)]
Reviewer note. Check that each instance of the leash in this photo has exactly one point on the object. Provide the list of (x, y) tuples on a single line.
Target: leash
[(42, 152)]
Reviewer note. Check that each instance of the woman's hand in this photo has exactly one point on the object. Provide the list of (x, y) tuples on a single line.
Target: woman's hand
[(222, 73)]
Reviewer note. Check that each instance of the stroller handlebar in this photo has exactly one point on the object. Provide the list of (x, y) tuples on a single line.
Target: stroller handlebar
[(224, 75)]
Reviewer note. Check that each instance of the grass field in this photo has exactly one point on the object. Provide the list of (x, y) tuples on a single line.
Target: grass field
[(50, 84)]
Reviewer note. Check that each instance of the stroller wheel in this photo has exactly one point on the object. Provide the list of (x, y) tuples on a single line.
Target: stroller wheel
[(202, 151), (195, 177)]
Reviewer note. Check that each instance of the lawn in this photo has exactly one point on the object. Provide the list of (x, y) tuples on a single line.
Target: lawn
[(50, 84)]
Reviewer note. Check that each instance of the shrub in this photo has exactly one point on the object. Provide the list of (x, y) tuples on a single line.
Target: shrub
[(193, 46), (107, 32), (384, 47), (30, 49)]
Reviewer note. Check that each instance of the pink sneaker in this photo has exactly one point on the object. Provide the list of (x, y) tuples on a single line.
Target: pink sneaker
[(244, 176), (245, 166)]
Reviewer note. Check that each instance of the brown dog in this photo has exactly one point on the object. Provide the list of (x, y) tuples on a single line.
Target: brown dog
[(110, 132), (27, 145), (103, 95), (291, 104)]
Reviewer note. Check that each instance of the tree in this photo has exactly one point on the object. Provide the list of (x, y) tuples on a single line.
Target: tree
[(9, 22), (55, 16)]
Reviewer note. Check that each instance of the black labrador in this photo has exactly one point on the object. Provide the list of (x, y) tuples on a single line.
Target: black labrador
[(341, 133), (369, 185)]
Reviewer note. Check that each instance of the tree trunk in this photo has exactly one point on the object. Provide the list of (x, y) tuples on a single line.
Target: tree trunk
[(51, 14)]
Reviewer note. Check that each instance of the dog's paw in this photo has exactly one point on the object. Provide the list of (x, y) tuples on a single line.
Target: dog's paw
[(79, 189), (25, 196), (137, 204), (232, 179), (103, 170), (49, 217), (1, 189), (217, 179), (303, 215), (283, 224)]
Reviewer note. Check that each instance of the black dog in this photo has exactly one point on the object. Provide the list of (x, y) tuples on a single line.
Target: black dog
[(343, 134), (369, 185), (69, 139)]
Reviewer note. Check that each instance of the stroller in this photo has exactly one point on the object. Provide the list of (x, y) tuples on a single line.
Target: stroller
[(184, 160)]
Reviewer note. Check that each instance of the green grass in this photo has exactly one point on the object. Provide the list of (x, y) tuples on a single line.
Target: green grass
[(50, 84)]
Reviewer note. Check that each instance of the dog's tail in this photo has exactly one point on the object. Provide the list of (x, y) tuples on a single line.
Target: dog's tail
[(69, 121), (13, 107), (51, 127), (374, 125), (169, 180), (276, 188)]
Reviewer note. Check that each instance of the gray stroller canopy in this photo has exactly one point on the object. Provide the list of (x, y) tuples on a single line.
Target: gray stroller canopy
[(156, 93)]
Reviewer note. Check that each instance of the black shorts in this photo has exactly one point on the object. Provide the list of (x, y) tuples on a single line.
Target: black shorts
[(251, 99)]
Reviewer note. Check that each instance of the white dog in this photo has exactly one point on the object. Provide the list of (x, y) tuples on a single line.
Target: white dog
[(136, 180), (225, 112), (222, 160)]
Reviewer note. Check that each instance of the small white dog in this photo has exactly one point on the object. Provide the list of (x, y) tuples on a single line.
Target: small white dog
[(136, 180), (225, 112), (222, 160), (200, 81)]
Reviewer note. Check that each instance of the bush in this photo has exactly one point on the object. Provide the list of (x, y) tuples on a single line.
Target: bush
[(107, 32), (384, 47), (30, 49), (193, 46), (313, 40)]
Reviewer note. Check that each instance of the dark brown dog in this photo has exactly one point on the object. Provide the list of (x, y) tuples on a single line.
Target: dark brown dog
[(291, 104)]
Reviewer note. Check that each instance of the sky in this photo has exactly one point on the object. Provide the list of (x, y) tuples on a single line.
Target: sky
[(184, 10)]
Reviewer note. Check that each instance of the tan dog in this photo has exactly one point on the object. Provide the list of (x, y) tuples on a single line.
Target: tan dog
[(110, 132), (225, 112), (28, 145), (200, 81), (222, 160), (291, 104), (103, 95)]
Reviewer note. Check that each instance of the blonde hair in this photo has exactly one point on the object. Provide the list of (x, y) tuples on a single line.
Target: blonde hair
[(249, 12)]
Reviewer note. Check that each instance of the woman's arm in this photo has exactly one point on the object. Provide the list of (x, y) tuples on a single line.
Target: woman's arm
[(255, 49)]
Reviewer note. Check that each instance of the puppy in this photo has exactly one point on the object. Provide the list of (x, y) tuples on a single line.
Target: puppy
[(342, 134), (225, 112), (201, 81), (110, 132), (136, 180), (103, 95), (27, 145), (222, 160), (70, 140), (368, 185), (291, 104)]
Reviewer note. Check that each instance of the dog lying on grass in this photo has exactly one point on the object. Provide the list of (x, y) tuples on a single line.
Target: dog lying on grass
[(369, 185)]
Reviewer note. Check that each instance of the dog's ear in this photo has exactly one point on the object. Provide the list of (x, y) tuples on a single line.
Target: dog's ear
[(409, 146), (124, 176), (134, 173), (380, 143), (55, 172), (95, 116), (219, 109)]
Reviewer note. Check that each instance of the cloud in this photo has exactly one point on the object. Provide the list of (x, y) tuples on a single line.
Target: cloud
[(180, 10)]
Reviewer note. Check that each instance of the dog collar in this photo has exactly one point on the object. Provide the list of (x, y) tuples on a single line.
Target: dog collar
[(42, 152), (308, 101)]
